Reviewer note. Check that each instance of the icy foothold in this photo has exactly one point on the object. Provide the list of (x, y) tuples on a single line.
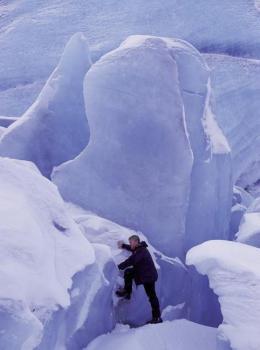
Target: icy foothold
[(2, 130), (54, 129), (38, 261), (249, 229), (156, 160), (241, 201), (181, 334), (234, 275)]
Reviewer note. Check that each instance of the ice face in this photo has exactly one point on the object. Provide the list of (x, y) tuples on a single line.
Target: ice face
[(241, 201), (180, 334), (236, 87), (249, 229), (41, 250), (156, 160), (233, 272), (30, 50), (54, 129)]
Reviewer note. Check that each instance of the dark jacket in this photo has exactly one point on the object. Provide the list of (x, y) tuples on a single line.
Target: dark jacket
[(142, 262)]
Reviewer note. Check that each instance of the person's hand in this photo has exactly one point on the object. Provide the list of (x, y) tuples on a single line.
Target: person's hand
[(120, 244)]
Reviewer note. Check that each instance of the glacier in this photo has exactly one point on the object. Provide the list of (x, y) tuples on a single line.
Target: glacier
[(55, 128), (138, 142), (233, 272), (28, 27), (119, 118)]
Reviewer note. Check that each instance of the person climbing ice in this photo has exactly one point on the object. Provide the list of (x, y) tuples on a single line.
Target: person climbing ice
[(139, 267)]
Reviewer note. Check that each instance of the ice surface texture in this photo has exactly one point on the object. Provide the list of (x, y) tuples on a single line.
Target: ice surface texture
[(156, 160), (233, 272), (54, 129), (31, 51)]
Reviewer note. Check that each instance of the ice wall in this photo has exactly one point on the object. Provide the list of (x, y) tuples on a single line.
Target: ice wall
[(156, 160), (173, 284), (236, 87), (54, 129)]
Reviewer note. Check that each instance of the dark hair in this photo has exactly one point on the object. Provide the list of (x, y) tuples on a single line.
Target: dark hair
[(135, 238)]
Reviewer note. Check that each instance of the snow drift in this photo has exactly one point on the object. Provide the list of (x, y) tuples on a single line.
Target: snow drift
[(155, 148), (177, 335), (54, 129), (234, 275), (41, 249)]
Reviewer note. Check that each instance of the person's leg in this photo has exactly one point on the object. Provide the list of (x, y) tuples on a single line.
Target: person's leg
[(151, 293), (127, 290), (129, 277)]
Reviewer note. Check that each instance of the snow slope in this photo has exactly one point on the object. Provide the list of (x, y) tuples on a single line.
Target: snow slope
[(54, 129), (33, 34), (234, 275), (177, 335), (155, 148), (41, 249)]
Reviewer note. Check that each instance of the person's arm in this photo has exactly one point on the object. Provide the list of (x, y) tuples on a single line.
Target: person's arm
[(122, 245), (126, 247), (132, 260), (128, 262)]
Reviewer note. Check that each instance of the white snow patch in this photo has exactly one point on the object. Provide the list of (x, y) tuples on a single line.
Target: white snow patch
[(234, 275), (177, 335)]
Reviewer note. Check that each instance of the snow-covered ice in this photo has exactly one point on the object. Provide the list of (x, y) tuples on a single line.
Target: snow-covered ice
[(234, 274), (55, 128), (41, 249), (177, 335), (155, 148)]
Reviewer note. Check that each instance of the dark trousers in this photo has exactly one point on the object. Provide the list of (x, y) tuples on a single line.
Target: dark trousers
[(149, 289)]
